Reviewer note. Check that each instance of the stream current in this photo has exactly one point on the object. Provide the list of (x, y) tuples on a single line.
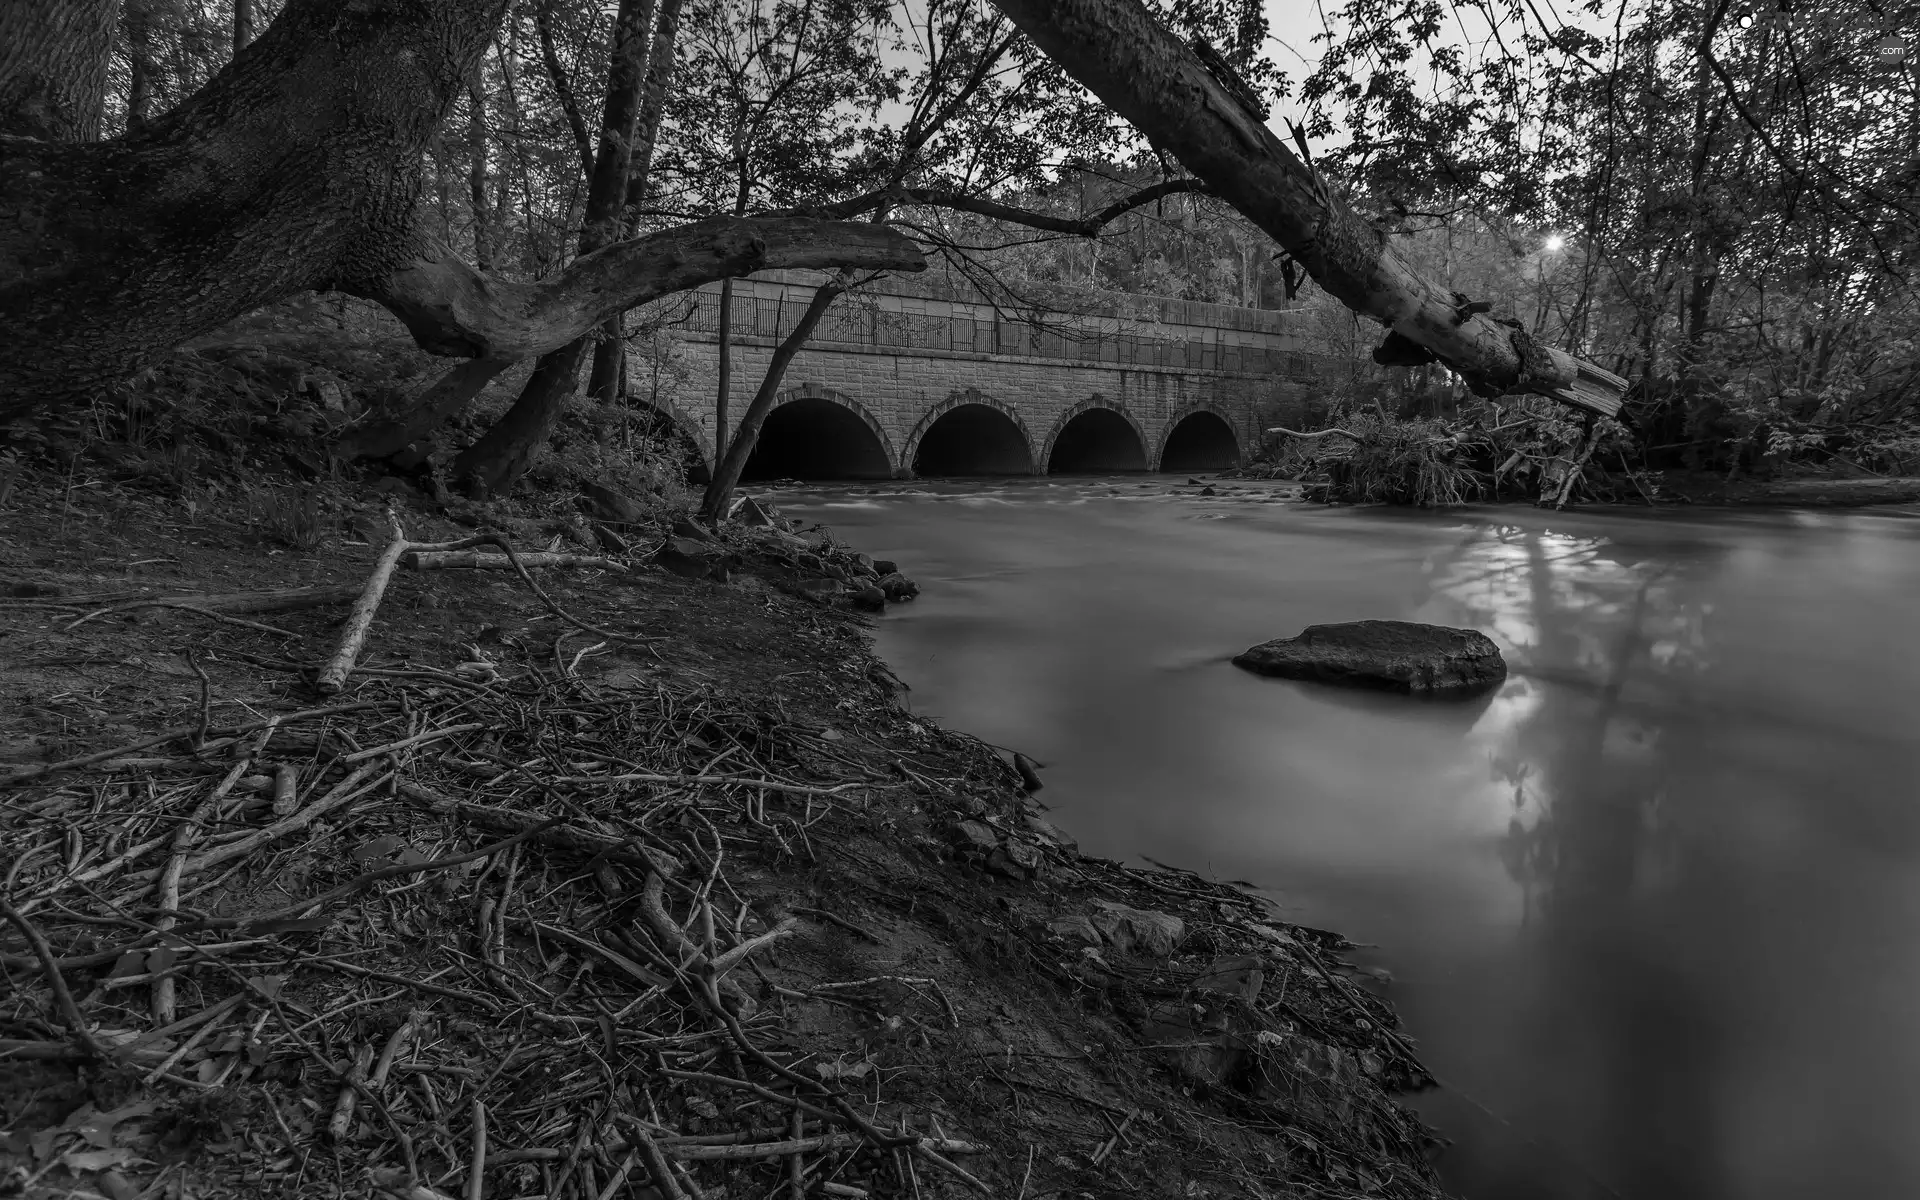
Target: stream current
[(1652, 908)]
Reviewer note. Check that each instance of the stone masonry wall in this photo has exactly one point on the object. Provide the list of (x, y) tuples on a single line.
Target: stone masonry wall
[(944, 354)]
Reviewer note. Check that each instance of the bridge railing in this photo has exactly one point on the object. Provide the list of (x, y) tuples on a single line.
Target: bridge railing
[(872, 325)]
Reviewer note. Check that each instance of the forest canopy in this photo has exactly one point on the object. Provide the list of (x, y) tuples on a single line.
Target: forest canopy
[(1714, 203)]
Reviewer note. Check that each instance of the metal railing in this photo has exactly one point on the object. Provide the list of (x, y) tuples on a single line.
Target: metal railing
[(868, 325)]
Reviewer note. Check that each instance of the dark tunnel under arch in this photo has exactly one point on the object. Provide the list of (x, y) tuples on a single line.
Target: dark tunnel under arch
[(1201, 441), (1097, 441), (815, 438), (973, 439)]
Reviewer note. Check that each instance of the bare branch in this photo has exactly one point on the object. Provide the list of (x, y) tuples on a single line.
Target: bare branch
[(562, 89), (1087, 226), (452, 309)]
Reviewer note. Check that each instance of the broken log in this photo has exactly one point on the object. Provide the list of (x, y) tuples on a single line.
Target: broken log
[(1141, 69)]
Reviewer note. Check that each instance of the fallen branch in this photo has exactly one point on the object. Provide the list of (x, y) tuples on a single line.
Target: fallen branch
[(192, 608), (404, 743), (353, 637), (544, 832), (739, 780), (356, 883), (442, 560), (215, 603), (179, 731), (50, 968), (342, 1123), (1318, 433), (1589, 440)]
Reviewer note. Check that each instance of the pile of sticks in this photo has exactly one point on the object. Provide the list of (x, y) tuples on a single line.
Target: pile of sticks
[(478, 930)]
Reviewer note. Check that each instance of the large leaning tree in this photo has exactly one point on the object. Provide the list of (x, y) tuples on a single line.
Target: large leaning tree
[(298, 167)]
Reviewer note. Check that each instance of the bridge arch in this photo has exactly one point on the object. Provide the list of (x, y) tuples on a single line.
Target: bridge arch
[(1202, 438), (814, 432), (666, 417), (1101, 441), (986, 444)]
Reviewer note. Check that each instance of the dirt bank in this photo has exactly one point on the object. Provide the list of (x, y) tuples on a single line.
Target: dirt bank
[(649, 888)]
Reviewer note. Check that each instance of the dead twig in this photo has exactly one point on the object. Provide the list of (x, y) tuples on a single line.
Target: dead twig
[(192, 608), (179, 731), (48, 967)]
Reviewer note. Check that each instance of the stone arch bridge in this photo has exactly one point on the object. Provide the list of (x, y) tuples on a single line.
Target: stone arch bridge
[(925, 379)]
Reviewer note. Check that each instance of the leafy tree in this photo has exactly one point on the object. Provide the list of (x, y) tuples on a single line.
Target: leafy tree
[(1734, 200), (319, 157)]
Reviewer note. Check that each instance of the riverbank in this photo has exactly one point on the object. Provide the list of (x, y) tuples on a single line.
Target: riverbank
[(1669, 489), (653, 877)]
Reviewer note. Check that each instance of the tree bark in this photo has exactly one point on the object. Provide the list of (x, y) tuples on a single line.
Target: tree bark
[(242, 24), (504, 452), (1142, 71), (646, 134), (298, 163), (427, 412), (454, 310), (53, 67), (725, 385), (298, 167), (477, 171), (726, 474), (136, 21), (605, 376)]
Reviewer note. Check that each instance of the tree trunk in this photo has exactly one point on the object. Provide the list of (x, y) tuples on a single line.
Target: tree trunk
[(726, 371), (136, 21), (607, 382), (53, 67), (726, 474), (477, 171), (606, 376), (646, 132), (1142, 71), (505, 452), (399, 435), (298, 167)]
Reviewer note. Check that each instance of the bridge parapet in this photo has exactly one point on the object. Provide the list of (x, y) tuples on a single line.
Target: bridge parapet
[(1134, 331)]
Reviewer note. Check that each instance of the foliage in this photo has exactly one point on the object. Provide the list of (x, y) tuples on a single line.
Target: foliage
[(1722, 213), (1379, 460)]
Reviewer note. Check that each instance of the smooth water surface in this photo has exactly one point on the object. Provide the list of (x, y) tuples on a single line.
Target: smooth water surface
[(1653, 907)]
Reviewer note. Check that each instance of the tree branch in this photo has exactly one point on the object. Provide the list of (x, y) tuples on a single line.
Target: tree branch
[(1142, 71), (562, 89), (1088, 226), (454, 310)]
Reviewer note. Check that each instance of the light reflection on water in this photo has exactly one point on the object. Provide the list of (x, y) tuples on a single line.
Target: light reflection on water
[(1655, 903)]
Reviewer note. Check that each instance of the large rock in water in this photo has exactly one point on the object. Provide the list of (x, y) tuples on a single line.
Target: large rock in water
[(1401, 655)]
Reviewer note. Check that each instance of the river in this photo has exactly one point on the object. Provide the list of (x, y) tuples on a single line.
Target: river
[(1652, 909)]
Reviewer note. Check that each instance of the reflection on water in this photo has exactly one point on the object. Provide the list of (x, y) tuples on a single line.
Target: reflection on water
[(1654, 906)]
